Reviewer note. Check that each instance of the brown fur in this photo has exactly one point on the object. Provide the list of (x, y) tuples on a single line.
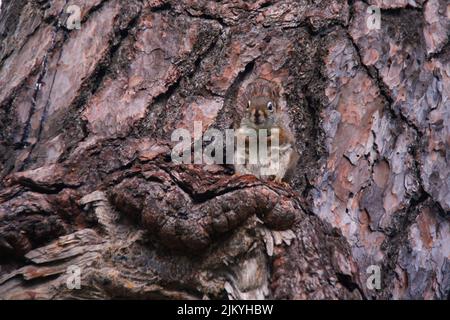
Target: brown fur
[(263, 88), (262, 111)]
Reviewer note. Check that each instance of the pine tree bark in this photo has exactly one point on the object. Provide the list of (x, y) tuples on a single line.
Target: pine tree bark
[(86, 118)]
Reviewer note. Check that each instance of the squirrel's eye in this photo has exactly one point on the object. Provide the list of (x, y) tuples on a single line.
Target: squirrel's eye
[(270, 106), (248, 104)]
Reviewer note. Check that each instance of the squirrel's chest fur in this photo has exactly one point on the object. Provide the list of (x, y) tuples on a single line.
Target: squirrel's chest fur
[(274, 162)]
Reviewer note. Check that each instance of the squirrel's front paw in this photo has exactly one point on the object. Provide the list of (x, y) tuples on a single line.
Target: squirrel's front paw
[(278, 179)]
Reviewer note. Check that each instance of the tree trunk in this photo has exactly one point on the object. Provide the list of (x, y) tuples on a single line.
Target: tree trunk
[(88, 185)]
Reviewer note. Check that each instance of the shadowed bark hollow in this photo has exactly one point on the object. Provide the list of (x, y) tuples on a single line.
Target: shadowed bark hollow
[(87, 181)]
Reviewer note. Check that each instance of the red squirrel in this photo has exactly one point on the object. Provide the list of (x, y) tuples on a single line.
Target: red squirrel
[(262, 111)]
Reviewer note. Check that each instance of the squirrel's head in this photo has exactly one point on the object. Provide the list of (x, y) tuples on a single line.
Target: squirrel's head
[(261, 111), (262, 103)]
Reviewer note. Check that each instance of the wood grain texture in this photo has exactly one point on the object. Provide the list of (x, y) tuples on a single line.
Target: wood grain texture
[(86, 118)]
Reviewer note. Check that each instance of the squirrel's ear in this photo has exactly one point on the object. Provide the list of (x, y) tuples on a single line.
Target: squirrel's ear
[(275, 91)]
